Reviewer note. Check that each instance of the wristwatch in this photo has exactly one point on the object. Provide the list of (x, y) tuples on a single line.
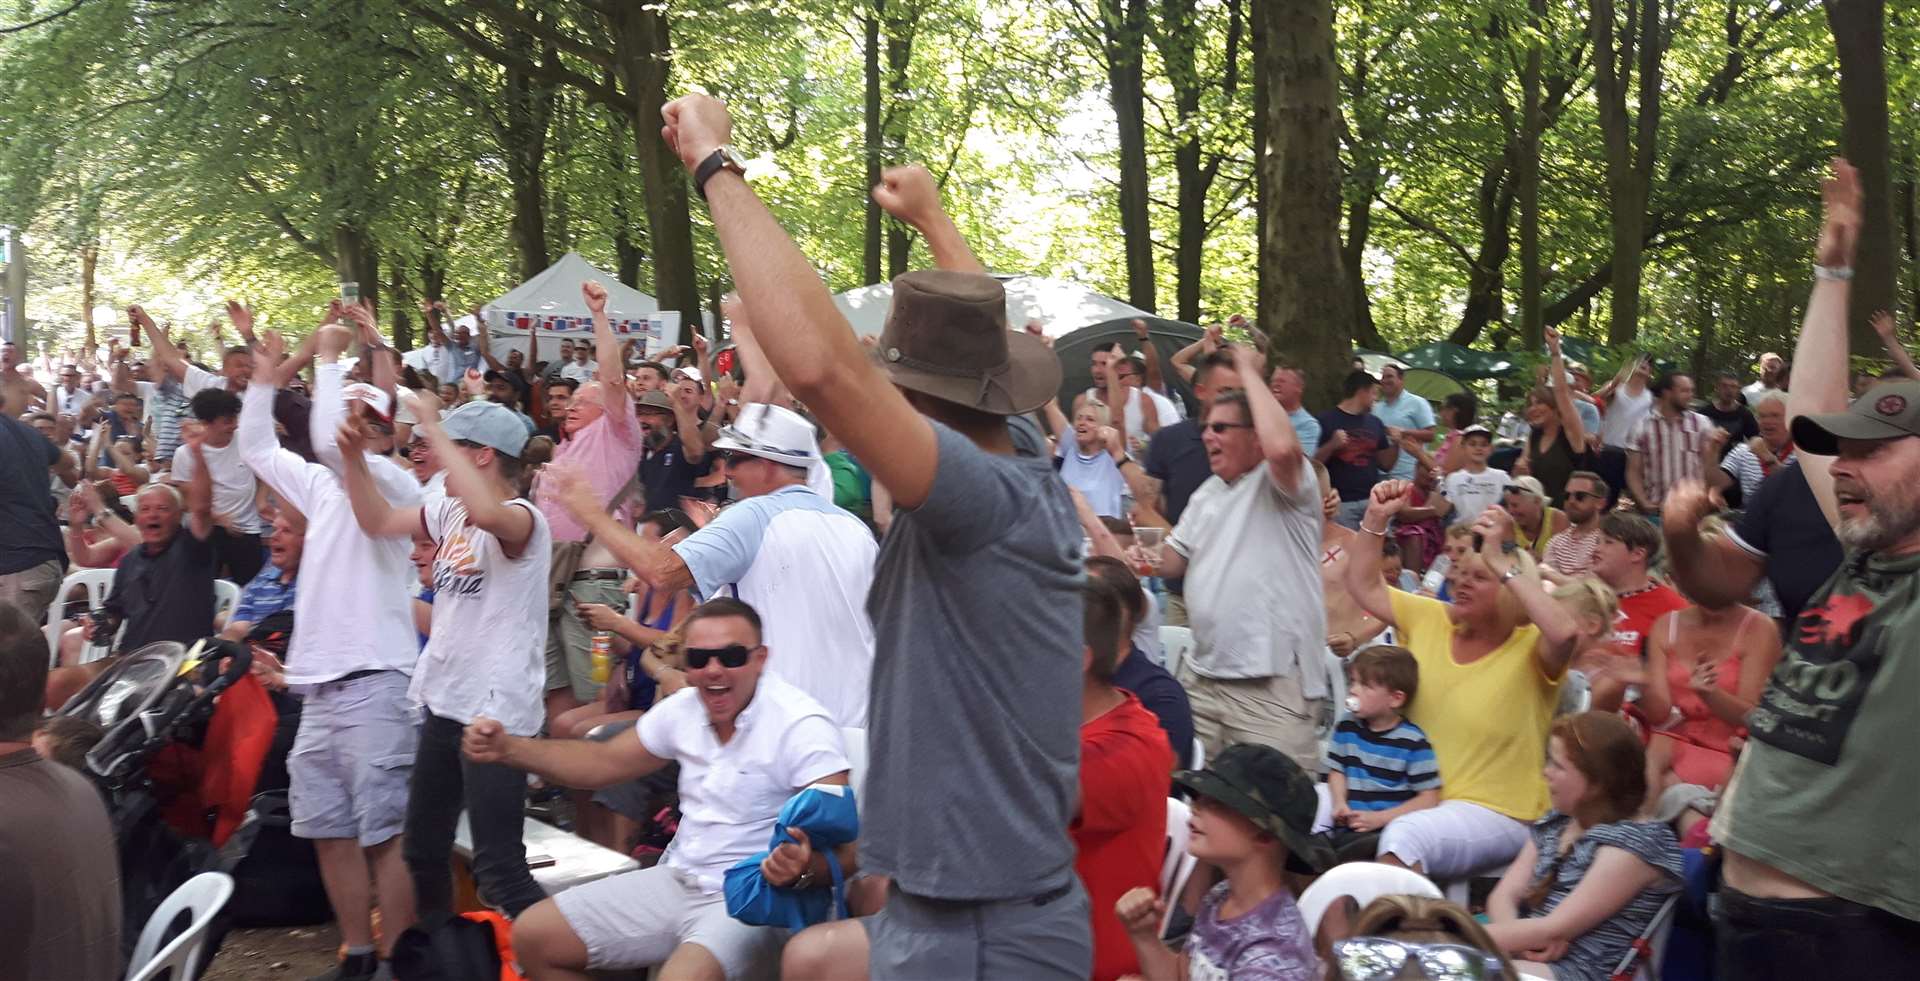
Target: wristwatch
[(1512, 573), (723, 158)]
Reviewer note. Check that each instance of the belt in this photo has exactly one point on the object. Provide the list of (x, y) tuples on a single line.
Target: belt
[(356, 675), (599, 575), (1040, 900)]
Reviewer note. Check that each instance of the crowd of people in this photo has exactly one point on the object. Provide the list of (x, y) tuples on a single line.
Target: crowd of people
[(840, 575)]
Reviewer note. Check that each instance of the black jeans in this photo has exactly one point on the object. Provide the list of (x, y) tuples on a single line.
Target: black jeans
[(1796, 939), (495, 798), (240, 557)]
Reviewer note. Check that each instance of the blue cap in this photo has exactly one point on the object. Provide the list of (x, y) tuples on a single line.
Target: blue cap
[(487, 424)]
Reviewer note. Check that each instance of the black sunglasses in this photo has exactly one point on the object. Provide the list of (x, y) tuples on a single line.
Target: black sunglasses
[(731, 656), (1221, 427), (1582, 496)]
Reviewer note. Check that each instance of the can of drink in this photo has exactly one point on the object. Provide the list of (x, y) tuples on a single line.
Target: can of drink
[(602, 654)]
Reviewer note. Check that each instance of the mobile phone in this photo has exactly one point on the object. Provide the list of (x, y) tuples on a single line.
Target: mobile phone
[(349, 292)]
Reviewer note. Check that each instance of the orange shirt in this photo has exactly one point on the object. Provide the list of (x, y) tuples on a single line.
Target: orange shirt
[(1121, 831), (1637, 613)]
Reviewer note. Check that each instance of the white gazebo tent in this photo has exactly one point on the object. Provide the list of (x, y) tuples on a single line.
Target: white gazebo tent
[(1060, 306), (550, 305)]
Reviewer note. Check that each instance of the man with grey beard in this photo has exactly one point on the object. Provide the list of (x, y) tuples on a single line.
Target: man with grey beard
[(1816, 820)]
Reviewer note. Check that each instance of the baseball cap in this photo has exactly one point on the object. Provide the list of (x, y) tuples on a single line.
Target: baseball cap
[(380, 402), (487, 424), (1268, 788), (687, 371), (1889, 410), (1528, 485), (1476, 430)]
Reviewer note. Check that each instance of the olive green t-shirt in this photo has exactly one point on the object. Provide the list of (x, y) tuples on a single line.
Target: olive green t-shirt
[(1830, 783)]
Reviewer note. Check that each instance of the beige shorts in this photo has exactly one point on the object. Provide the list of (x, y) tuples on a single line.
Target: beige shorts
[(569, 658), (1270, 711)]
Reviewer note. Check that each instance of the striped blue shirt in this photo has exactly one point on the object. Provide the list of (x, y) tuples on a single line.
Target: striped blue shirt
[(1383, 769)]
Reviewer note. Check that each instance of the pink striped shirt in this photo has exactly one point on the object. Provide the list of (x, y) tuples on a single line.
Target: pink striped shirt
[(1669, 450)]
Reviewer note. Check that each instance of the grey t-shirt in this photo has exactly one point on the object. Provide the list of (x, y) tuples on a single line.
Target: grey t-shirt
[(974, 721)]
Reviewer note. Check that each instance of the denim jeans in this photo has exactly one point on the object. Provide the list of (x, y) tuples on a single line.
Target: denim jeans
[(494, 796), (1761, 939)]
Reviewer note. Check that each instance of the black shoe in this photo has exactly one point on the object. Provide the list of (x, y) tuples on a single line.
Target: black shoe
[(356, 967)]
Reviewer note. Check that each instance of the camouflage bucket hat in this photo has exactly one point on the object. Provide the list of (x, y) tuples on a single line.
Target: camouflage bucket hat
[(1272, 791)]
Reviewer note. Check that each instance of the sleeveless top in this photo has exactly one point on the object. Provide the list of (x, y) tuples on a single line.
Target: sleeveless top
[(1700, 737), (640, 688), (1553, 464)]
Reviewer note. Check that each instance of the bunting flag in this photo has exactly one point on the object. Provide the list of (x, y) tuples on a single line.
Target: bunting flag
[(561, 323)]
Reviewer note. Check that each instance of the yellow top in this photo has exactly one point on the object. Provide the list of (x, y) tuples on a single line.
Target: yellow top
[(1538, 543), (1487, 720)]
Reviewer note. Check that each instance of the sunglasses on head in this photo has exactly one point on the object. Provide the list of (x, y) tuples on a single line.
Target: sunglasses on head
[(731, 656), (1380, 959), (1220, 427)]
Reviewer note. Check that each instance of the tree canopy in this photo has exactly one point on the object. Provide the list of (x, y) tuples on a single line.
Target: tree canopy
[(1639, 173)]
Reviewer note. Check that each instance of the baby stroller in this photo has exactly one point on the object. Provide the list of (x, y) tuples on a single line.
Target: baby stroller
[(176, 771)]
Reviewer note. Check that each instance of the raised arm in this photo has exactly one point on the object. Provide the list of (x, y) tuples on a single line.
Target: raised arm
[(199, 489), (1278, 442), (762, 383), (163, 349), (909, 194), (83, 506), (373, 346), (1151, 355), (1563, 395), (376, 517), (329, 388), (1820, 354), (1362, 575), (807, 341), (1890, 339), (1557, 629), (652, 562), (608, 369), (260, 449)]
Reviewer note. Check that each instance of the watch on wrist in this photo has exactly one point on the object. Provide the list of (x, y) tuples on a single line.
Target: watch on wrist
[(1512, 573), (722, 158)]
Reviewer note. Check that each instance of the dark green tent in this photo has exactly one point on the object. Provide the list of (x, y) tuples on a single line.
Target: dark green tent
[(1461, 363)]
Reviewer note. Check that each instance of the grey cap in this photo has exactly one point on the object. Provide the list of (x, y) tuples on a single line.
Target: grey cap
[(1888, 410), (487, 424)]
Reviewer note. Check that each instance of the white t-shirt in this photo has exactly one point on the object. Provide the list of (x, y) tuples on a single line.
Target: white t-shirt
[(487, 652), (233, 484), (355, 590), (579, 373), (806, 566), (1472, 493), (731, 792), (1624, 412), (1096, 477), (1253, 589)]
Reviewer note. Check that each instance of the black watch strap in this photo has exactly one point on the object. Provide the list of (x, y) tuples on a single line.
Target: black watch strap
[(713, 164)]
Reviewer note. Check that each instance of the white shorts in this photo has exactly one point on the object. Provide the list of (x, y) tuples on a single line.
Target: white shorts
[(636, 919), (1454, 840)]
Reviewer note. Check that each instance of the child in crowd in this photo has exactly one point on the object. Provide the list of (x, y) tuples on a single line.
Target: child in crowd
[(1379, 765), (1252, 814), (1418, 529), (67, 740), (1396, 575), (1474, 487), (1459, 544)]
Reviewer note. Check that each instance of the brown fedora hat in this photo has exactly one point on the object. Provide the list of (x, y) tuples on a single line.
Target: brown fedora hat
[(947, 336)]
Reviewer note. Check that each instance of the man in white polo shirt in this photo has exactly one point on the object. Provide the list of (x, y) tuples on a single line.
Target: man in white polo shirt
[(745, 742), (785, 549)]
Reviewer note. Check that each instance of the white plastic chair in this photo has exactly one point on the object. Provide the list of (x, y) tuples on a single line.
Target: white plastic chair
[(1365, 882), (226, 596), (1178, 643), (98, 583), (1178, 865), (1199, 754), (200, 898), (856, 740)]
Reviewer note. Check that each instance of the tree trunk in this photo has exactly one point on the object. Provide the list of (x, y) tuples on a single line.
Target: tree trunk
[(1527, 182), (876, 218), (89, 259), (1486, 278), (900, 23), (1178, 39), (1629, 143), (1359, 225), (528, 106), (627, 250), (641, 45), (357, 261), (1304, 299), (1859, 35), (402, 324), (1703, 291), (1126, 80)]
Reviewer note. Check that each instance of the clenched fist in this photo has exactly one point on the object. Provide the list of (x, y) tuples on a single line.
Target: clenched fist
[(485, 741), (696, 125)]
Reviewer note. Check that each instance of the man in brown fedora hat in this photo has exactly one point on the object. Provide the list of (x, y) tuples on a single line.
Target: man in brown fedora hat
[(975, 603)]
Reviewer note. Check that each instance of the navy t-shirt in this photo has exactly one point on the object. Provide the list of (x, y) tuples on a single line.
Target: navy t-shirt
[(1163, 696), (666, 475), (1353, 469), (1178, 460), (1784, 525), (32, 535)]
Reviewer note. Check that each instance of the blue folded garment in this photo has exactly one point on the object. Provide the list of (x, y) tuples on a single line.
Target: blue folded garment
[(828, 815)]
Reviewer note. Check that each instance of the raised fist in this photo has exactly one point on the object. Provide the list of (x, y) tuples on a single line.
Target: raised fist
[(696, 125), (908, 193), (596, 296)]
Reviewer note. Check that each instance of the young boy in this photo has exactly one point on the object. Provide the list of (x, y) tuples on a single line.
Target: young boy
[(1252, 814), (1380, 766), (1474, 487), (1438, 583)]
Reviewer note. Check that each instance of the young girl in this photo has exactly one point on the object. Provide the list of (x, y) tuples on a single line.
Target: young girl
[(1592, 877), (1593, 607), (1252, 818)]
